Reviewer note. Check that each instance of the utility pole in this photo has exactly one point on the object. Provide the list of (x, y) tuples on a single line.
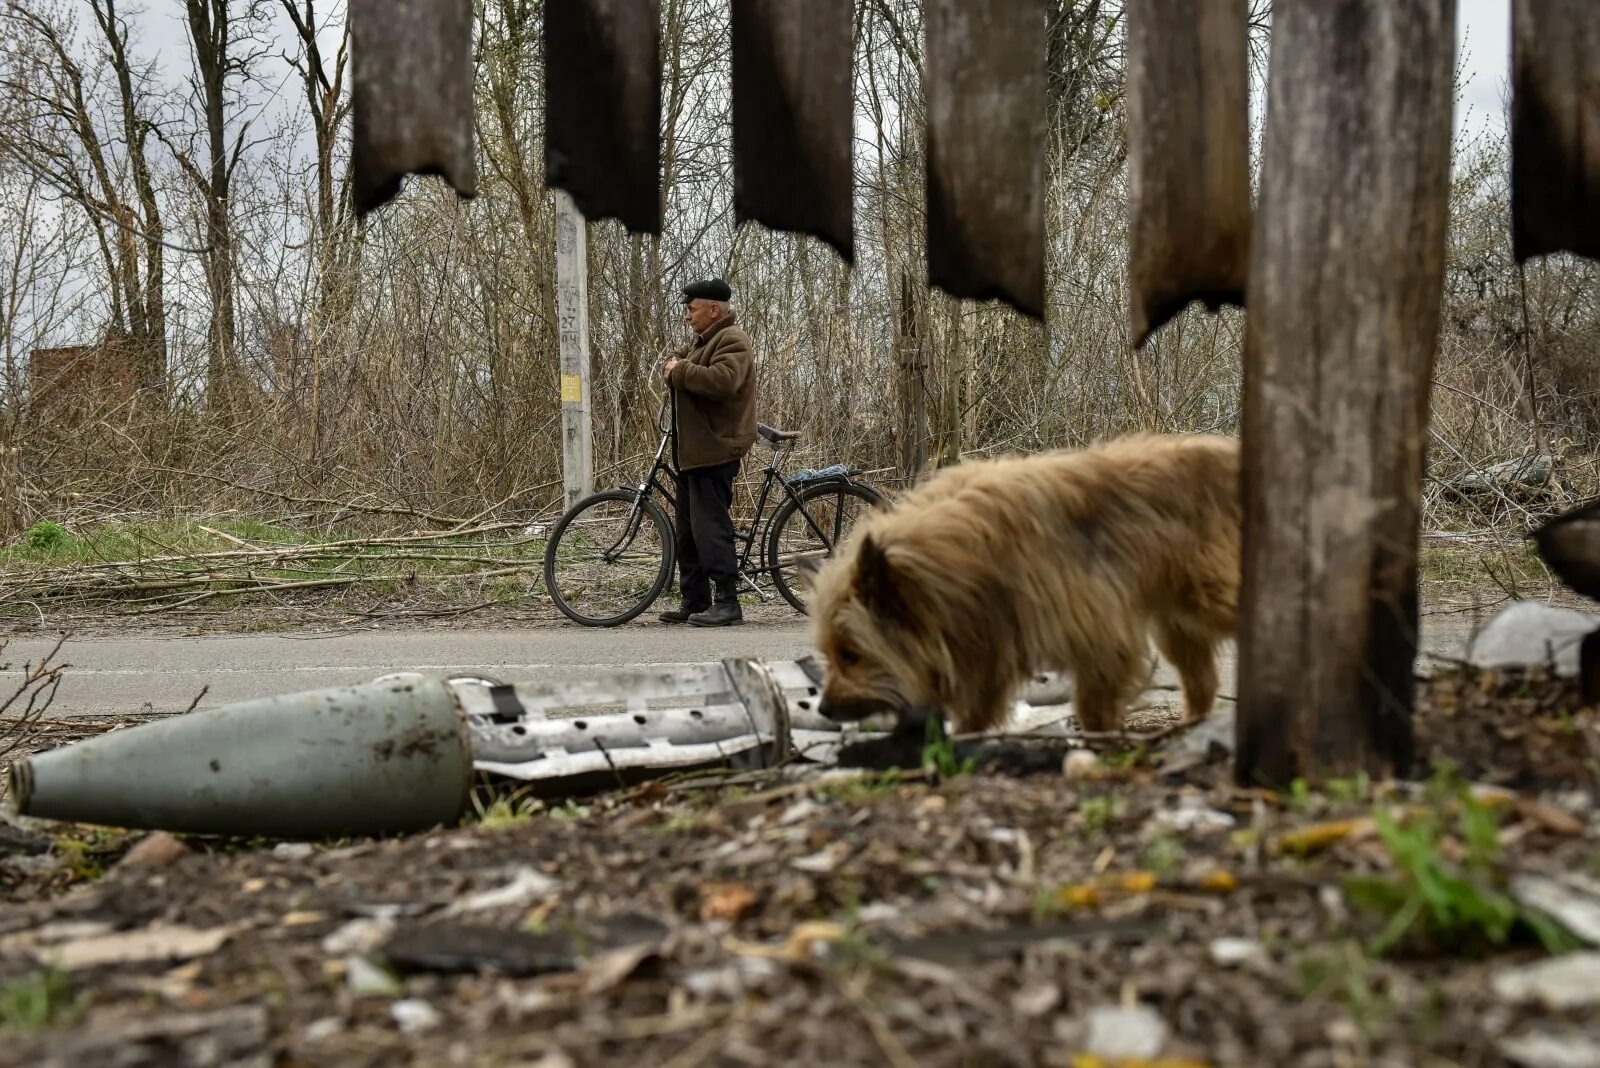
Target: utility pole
[(572, 320)]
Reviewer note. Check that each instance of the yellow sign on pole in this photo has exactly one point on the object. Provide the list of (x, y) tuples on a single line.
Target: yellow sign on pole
[(571, 389)]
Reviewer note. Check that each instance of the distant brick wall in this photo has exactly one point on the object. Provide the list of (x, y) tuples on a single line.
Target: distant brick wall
[(65, 384)]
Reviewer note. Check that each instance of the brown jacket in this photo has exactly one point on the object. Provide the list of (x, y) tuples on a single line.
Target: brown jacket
[(714, 397)]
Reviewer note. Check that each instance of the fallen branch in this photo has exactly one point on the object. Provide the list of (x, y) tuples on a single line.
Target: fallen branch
[(25, 705)]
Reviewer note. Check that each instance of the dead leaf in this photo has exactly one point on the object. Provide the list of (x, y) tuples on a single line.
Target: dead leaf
[(726, 901), (797, 947), (525, 887), (160, 850), (1121, 884), (1218, 882), (132, 947), (1089, 1060), (302, 919), (1551, 818), (610, 970), (1320, 836)]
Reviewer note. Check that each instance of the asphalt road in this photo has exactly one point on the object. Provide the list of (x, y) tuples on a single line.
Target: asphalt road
[(123, 674)]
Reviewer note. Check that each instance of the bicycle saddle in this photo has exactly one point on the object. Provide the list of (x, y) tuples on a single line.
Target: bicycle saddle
[(774, 435)]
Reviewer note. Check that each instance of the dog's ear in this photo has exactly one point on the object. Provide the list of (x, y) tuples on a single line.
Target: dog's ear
[(877, 584)]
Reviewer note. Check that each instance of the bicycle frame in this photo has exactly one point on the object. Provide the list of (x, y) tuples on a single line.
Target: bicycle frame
[(751, 537)]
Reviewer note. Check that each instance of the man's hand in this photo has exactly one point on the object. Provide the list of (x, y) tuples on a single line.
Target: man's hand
[(666, 373)]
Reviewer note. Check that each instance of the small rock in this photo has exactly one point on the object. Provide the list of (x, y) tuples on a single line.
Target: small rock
[(819, 863), (1035, 999), (357, 937), (1215, 732), (1235, 952), (553, 1059), (1577, 909), (415, 1016), (159, 850), (1138, 1032), (1562, 983), (1551, 1048), (368, 980), (801, 810), (878, 912), (323, 1029), (1192, 814), (293, 850), (1530, 632), (1080, 764), (526, 886)]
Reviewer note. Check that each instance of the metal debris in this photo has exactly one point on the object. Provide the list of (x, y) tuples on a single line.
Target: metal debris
[(384, 757), (397, 754)]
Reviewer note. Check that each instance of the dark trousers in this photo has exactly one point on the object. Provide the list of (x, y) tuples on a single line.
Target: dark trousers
[(706, 556)]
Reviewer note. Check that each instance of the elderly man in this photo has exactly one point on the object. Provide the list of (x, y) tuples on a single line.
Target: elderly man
[(713, 384)]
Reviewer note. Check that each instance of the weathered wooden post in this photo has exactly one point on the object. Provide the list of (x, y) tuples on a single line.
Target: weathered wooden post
[(1345, 284), (1188, 158), (572, 325), (1555, 128), (985, 150)]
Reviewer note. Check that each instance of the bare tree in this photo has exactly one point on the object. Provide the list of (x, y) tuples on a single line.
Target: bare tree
[(225, 43), (56, 129)]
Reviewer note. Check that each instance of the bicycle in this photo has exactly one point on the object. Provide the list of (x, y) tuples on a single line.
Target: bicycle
[(611, 554)]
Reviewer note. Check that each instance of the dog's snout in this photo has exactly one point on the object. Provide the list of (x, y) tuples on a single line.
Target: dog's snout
[(848, 710)]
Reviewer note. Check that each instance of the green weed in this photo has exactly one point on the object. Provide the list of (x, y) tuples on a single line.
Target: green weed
[(939, 753), (38, 1002)]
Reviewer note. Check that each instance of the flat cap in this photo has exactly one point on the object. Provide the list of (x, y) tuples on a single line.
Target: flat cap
[(710, 289)]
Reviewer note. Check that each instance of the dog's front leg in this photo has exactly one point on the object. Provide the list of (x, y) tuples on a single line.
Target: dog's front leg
[(1104, 687), (1194, 656)]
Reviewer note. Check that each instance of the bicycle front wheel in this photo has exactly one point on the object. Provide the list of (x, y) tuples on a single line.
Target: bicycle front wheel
[(609, 558), (802, 538)]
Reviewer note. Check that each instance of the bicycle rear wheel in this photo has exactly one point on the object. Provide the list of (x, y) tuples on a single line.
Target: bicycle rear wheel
[(796, 547), (609, 558)]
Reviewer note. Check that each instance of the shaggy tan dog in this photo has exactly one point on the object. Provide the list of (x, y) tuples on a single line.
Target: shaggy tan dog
[(994, 570)]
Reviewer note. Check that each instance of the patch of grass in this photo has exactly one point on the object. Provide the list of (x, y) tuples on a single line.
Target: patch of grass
[(569, 810), (506, 809), (939, 753), (1303, 800), (1164, 855), (1511, 564), (38, 1002), (1433, 903), (1343, 973), (46, 537), (1125, 759), (1099, 813), (862, 789)]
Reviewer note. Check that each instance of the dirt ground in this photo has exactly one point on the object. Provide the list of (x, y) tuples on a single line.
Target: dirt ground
[(1139, 908)]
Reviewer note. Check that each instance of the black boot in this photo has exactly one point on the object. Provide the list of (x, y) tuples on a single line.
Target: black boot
[(679, 614), (725, 612)]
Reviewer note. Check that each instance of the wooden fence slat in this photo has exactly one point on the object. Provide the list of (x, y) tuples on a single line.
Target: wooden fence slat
[(1555, 128), (985, 151), (411, 96), (1188, 158), (1345, 290), (603, 108), (792, 118)]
